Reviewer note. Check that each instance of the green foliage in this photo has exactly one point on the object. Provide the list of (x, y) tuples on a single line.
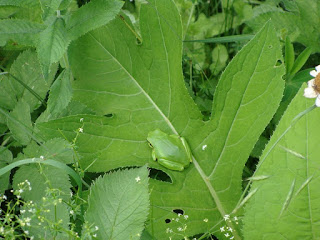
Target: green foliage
[(91, 16), (5, 159), (82, 87), (60, 93), (290, 192), (151, 94), (299, 19), (118, 204), (52, 43)]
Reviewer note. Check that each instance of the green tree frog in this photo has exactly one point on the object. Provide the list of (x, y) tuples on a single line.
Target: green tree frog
[(171, 151)]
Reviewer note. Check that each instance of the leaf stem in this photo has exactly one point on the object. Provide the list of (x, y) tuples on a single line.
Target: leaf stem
[(215, 197)]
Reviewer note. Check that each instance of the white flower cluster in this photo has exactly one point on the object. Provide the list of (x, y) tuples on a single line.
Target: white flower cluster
[(227, 231)]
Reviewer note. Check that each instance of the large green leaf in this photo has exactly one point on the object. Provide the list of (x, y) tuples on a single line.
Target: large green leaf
[(143, 88), (286, 204), (118, 204)]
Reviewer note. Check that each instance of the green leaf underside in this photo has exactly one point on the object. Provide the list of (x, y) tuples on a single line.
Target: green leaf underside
[(118, 204), (275, 212), (142, 86)]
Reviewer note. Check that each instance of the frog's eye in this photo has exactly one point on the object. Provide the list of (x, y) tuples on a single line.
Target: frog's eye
[(150, 145)]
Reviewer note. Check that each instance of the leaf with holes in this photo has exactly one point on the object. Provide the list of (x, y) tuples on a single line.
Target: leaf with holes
[(289, 198), (138, 87)]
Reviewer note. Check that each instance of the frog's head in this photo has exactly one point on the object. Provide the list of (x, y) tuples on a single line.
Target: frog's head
[(154, 137)]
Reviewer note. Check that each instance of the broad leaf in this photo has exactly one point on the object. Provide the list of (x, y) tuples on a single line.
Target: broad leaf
[(118, 204), (286, 204), (140, 88)]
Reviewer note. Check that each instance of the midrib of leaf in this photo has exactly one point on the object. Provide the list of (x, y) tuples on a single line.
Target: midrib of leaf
[(138, 85), (235, 117)]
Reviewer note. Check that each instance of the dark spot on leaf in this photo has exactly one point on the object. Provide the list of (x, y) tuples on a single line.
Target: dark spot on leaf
[(138, 42), (279, 62), (159, 175), (177, 211), (167, 220), (109, 115), (270, 46)]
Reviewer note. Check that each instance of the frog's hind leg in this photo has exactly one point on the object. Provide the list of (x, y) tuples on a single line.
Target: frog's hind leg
[(171, 165)]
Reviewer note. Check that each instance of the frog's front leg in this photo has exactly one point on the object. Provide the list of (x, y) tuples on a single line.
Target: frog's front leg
[(171, 165)]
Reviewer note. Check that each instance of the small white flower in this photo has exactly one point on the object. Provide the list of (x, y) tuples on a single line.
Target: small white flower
[(20, 190), (71, 212), (138, 179), (179, 214), (204, 147), (186, 217), (235, 218), (232, 237), (226, 217), (81, 130), (227, 234), (230, 229), (41, 157), (81, 119), (4, 197), (177, 219), (222, 229), (26, 232), (179, 229), (1, 229), (94, 235), (205, 220), (96, 228), (313, 89)]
